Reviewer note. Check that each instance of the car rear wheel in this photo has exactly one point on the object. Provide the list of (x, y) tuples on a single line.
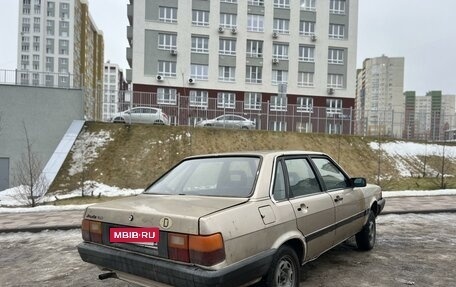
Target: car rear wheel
[(208, 125), (365, 239), (284, 270), (159, 122), (245, 128), (119, 120)]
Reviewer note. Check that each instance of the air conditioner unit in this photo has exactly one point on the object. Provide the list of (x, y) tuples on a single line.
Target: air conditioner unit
[(275, 35), (330, 91), (159, 78), (173, 52), (275, 61), (313, 38), (221, 29), (191, 81), (234, 30)]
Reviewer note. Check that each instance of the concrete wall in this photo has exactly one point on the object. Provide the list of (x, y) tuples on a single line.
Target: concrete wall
[(46, 112)]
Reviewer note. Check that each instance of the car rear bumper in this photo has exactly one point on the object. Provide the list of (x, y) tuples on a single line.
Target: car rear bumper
[(175, 274)]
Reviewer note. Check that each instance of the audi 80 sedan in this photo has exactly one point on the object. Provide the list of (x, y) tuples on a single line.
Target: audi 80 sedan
[(231, 220)]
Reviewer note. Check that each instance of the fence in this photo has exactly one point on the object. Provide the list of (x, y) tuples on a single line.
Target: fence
[(274, 116), (39, 79)]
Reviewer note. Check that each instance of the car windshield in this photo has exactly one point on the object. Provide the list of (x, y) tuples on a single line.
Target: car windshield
[(215, 176)]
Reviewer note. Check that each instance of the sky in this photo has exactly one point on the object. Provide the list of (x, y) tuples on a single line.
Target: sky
[(418, 30)]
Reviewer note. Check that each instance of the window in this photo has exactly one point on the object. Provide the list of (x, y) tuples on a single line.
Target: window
[(226, 100), (335, 56), (282, 4), (337, 6), (199, 72), (305, 79), (306, 54), (281, 26), (307, 28), (167, 68), (200, 44), (227, 74), (278, 126), (255, 23), (167, 14), (228, 20), (279, 77), (333, 106), (255, 48), (256, 2), (198, 99), (253, 75), (278, 192), (167, 41), (335, 81), (304, 105), (252, 101), (63, 47), (308, 5), (200, 18), (227, 47), (301, 178), (229, 1), (166, 96), (278, 103), (280, 51), (336, 31), (331, 174)]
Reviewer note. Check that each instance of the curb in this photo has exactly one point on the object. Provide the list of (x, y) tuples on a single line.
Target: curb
[(40, 228), (423, 211)]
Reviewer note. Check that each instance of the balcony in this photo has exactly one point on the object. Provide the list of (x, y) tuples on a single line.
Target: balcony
[(130, 13), (130, 35), (130, 56)]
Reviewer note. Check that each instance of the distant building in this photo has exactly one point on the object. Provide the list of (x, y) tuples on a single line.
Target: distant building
[(234, 55), (380, 100), (113, 82), (59, 45)]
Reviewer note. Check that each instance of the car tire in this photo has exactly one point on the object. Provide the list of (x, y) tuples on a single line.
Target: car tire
[(284, 270), (365, 239), (245, 128), (119, 120), (159, 122), (208, 125)]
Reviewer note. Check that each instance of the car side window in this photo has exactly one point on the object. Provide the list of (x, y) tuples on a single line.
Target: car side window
[(301, 177), (278, 192), (332, 176)]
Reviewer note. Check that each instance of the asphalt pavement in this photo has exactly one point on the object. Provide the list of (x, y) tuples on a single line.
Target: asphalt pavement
[(71, 219)]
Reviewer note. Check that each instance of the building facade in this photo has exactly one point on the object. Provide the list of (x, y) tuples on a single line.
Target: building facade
[(380, 102), (113, 83), (242, 54), (59, 45)]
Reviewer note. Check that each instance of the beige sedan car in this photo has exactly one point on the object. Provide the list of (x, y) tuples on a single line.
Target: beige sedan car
[(230, 220)]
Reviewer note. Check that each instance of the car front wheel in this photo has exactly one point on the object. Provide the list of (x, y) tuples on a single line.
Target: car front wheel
[(284, 270), (365, 239)]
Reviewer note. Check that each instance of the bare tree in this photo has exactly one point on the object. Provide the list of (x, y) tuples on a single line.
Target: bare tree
[(29, 179)]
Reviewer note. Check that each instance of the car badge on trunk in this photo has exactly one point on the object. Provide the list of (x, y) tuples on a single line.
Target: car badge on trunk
[(130, 218), (166, 222)]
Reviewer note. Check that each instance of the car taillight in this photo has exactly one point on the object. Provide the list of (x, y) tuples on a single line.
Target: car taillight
[(91, 231), (178, 247), (197, 249), (206, 250)]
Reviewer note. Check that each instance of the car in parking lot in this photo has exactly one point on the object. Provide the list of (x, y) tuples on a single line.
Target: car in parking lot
[(228, 121), (232, 219), (145, 115)]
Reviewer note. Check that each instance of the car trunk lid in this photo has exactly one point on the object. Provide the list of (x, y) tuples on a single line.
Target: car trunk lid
[(175, 213)]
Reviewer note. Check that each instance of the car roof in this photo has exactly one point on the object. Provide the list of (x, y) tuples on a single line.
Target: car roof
[(259, 153)]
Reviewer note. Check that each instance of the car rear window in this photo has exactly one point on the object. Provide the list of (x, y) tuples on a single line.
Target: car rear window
[(215, 176)]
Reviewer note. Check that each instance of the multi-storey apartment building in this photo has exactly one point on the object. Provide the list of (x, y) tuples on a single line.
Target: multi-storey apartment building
[(380, 100), (237, 55), (59, 45), (113, 83)]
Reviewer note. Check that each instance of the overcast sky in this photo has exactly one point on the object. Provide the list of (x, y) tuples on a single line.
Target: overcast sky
[(421, 31)]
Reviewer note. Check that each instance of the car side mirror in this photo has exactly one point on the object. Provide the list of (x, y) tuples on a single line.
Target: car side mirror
[(358, 182)]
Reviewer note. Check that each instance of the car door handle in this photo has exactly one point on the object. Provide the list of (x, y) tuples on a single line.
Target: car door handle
[(303, 207), (338, 198)]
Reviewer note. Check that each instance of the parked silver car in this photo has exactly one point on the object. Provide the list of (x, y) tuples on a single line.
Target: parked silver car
[(230, 220), (228, 121), (145, 115)]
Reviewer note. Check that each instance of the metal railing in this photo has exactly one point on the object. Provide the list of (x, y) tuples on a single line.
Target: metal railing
[(40, 79)]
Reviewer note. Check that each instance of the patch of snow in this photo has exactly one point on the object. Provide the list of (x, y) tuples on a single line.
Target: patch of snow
[(43, 208), (404, 193), (7, 197), (85, 149)]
